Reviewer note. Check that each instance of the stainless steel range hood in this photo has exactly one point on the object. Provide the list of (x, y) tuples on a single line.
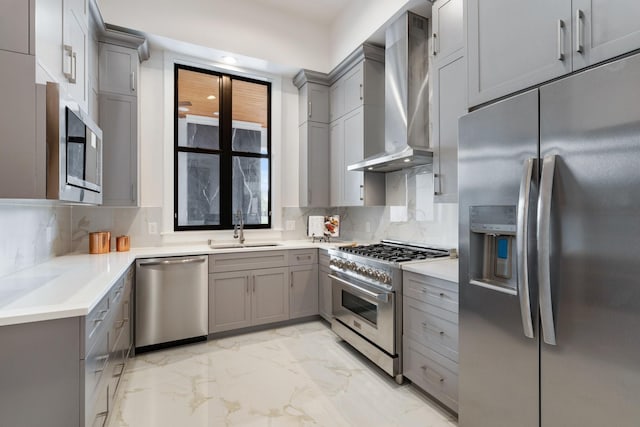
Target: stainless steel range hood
[(406, 113)]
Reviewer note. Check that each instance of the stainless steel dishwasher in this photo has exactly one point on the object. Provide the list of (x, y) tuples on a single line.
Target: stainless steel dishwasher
[(171, 301)]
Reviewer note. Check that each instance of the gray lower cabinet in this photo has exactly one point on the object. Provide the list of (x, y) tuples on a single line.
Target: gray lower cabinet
[(303, 295), (66, 372), (430, 336), (324, 286), (241, 296)]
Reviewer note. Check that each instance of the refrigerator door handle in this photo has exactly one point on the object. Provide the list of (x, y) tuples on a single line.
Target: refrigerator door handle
[(544, 249), (522, 240)]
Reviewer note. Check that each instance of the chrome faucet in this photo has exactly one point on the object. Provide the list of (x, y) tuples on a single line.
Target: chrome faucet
[(239, 225)]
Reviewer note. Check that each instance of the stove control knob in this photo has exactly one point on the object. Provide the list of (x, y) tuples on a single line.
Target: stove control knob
[(332, 262), (371, 272), (362, 270), (378, 275), (352, 265), (386, 279), (339, 263)]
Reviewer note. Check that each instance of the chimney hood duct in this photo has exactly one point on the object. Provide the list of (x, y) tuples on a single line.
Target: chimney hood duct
[(406, 113)]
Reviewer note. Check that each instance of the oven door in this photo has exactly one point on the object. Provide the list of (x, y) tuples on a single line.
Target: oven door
[(365, 309)]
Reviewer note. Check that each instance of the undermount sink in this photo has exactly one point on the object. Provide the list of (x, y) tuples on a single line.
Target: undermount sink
[(241, 245)]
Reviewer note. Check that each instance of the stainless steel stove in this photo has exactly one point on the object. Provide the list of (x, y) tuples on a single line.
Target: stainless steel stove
[(367, 297)]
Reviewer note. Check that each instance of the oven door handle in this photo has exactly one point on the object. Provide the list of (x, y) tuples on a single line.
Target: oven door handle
[(384, 297)]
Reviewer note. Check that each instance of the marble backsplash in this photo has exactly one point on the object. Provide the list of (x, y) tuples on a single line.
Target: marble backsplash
[(133, 222), (32, 232)]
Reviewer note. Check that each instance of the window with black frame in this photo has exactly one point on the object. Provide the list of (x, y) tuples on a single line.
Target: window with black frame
[(222, 150)]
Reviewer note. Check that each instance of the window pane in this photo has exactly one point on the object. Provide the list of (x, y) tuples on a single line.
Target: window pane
[(251, 189), (250, 102), (198, 189), (198, 109)]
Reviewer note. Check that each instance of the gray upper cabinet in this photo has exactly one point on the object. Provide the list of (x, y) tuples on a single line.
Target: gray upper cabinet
[(448, 29), (516, 44), (74, 47), (313, 103), (118, 69), (604, 29), (314, 161), (119, 123), (448, 94), (118, 112), (16, 23)]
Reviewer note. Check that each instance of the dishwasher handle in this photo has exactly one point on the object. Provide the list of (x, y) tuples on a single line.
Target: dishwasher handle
[(180, 261)]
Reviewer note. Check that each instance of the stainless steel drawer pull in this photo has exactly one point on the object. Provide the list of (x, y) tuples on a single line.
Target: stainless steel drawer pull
[(442, 294), (579, 31), (104, 358), (119, 374), (103, 315), (425, 369), (560, 55), (425, 325), (299, 258)]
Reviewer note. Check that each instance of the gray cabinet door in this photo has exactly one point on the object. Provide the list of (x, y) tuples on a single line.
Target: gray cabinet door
[(604, 29), (354, 88), (516, 44), (40, 374), (119, 123), (336, 100), (314, 163), (448, 27), (22, 163), (16, 28), (324, 293), (313, 103), (336, 163), (270, 288), (229, 301), (74, 36), (449, 103), (353, 184), (303, 295), (118, 69)]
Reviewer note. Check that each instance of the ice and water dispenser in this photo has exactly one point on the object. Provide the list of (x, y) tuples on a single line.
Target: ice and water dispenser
[(493, 248)]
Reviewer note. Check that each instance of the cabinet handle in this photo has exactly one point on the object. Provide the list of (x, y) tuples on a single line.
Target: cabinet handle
[(439, 377), (560, 40), (579, 31), (74, 61), (133, 81), (361, 92), (299, 258), (309, 109), (425, 325), (439, 190), (100, 319), (102, 415), (254, 284), (119, 374), (67, 54), (361, 192), (292, 279), (104, 358), (433, 44)]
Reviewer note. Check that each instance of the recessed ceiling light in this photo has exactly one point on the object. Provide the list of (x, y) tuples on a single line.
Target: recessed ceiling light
[(370, 168), (183, 109), (229, 60), (211, 97), (407, 160)]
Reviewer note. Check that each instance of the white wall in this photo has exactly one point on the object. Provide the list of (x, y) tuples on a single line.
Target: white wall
[(244, 27)]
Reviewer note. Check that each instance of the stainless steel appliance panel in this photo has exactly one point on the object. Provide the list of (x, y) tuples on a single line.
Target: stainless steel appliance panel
[(369, 311), (498, 371), (171, 299), (591, 123)]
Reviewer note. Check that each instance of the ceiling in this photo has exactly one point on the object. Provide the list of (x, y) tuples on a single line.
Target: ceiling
[(323, 12)]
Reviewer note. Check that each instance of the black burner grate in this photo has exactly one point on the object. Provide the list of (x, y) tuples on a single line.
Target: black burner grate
[(394, 253)]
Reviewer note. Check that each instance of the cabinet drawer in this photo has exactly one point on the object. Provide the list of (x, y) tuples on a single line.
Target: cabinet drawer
[(96, 363), (441, 293), (303, 256), (434, 328), (97, 408), (247, 261), (431, 372), (95, 324), (323, 258)]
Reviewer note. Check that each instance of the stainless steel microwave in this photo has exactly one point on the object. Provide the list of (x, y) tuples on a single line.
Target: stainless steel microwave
[(74, 151)]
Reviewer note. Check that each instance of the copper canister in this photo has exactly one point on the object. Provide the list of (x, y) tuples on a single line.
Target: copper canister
[(99, 242), (122, 243)]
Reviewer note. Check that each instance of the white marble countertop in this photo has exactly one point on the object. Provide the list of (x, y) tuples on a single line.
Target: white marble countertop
[(71, 285), (446, 269)]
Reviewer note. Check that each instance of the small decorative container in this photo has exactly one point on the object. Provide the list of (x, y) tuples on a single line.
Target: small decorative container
[(122, 243)]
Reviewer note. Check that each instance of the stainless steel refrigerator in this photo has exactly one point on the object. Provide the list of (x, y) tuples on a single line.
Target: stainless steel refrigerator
[(550, 254)]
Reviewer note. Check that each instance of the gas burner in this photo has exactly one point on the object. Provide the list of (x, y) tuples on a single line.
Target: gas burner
[(395, 252)]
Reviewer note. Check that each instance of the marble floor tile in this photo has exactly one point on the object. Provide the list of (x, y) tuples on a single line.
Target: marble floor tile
[(301, 375)]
